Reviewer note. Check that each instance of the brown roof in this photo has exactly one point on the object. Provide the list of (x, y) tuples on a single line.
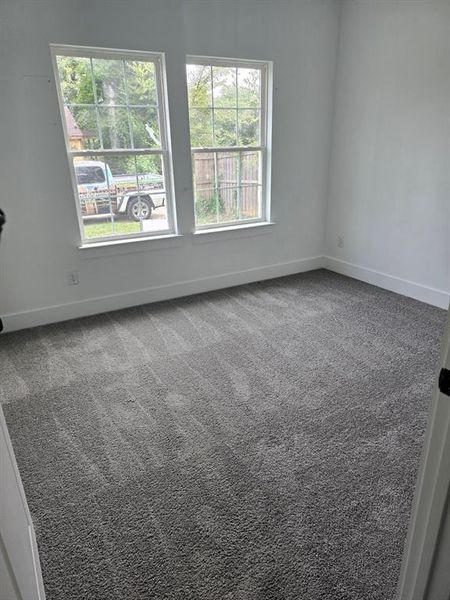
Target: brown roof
[(73, 131)]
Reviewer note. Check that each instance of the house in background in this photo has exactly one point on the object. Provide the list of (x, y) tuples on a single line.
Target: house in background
[(77, 137)]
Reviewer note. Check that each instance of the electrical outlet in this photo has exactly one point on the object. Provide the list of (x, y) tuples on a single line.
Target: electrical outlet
[(72, 278), (340, 242)]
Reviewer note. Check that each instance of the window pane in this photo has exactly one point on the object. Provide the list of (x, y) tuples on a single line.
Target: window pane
[(228, 204), (199, 86), (236, 106), (227, 169), (82, 129), (249, 82), (206, 207), (109, 81), (150, 174), (227, 186), (75, 78), (145, 128), (225, 127), (204, 170), (224, 87), (239, 204), (150, 171), (250, 168), (112, 105), (141, 82), (114, 127), (121, 195), (200, 122), (250, 202), (96, 195), (227, 182), (249, 127)]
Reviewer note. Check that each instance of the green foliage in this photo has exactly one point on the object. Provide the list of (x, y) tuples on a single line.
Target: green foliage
[(105, 228), (199, 86), (122, 165), (206, 207), (110, 82), (76, 80), (235, 94)]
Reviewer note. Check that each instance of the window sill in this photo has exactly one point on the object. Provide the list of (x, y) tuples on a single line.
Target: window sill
[(125, 246), (232, 232)]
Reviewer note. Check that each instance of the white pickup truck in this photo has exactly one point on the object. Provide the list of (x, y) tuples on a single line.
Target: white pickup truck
[(101, 194)]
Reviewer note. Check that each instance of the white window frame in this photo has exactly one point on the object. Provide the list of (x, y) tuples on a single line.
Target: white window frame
[(266, 68), (165, 151)]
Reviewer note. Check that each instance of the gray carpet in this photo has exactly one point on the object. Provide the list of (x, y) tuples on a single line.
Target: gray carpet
[(255, 443)]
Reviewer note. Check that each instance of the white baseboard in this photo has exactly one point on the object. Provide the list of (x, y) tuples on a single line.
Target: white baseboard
[(411, 289), (83, 308)]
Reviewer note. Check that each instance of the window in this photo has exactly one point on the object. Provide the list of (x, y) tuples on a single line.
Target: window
[(228, 126), (113, 107)]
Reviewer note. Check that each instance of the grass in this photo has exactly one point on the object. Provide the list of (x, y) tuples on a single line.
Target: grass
[(103, 229)]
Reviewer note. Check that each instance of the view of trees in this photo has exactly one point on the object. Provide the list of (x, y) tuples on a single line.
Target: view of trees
[(114, 102), (224, 106), (114, 105), (225, 111)]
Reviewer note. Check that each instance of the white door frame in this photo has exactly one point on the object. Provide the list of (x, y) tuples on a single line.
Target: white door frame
[(20, 570), (431, 496)]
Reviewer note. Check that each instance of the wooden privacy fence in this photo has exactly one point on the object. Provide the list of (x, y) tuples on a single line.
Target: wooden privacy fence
[(234, 177)]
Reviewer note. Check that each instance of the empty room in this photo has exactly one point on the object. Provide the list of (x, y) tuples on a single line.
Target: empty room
[(224, 283)]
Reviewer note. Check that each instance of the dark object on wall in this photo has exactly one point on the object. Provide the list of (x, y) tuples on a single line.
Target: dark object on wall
[(2, 222), (444, 382)]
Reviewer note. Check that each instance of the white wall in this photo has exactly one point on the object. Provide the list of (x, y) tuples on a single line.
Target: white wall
[(389, 183), (39, 245)]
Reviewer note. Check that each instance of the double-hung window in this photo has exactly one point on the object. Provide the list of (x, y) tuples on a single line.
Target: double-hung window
[(228, 116), (114, 111)]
